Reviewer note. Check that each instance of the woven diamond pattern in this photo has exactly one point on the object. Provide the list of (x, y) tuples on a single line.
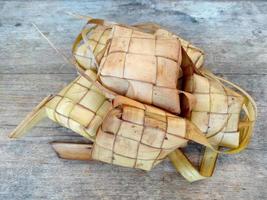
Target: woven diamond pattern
[(79, 106), (217, 110), (133, 137), (143, 67)]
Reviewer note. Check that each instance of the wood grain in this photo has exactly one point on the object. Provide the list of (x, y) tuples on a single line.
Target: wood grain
[(233, 35)]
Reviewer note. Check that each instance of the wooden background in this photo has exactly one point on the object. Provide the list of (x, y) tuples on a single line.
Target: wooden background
[(232, 33)]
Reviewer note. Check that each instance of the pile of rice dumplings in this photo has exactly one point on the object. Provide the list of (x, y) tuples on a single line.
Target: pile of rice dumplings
[(143, 95)]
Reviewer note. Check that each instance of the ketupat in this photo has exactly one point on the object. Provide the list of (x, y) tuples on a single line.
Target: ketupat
[(85, 118), (141, 136), (82, 108), (239, 128), (227, 118), (96, 37), (239, 103), (119, 62), (217, 110), (143, 66)]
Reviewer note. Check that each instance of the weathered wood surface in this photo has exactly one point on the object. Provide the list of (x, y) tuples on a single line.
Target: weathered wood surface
[(233, 35)]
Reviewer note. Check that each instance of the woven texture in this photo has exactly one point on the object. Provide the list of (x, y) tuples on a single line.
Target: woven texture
[(145, 63), (80, 107), (217, 110), (196, 55), (143, 67), (93, 39), (138, 138), (97, 36)]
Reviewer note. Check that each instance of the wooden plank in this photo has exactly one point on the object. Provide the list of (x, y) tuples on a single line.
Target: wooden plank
[(233, 35), (241, 29)]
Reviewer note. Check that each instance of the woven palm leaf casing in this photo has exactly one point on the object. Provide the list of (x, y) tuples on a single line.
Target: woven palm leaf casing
[(143, 67), (80, 106), (130, 133), (91, 40), (196, 55), (137, 138), (141, 136), (217, 110), (96, 37)]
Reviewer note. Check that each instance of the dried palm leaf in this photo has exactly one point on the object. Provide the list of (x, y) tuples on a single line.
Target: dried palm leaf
[(218, 114), (140, 136), (80, 106), (121, 69), (133, 134), (217, 110), (224, 106), (125, 132), (143, 67), (94, 39)]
